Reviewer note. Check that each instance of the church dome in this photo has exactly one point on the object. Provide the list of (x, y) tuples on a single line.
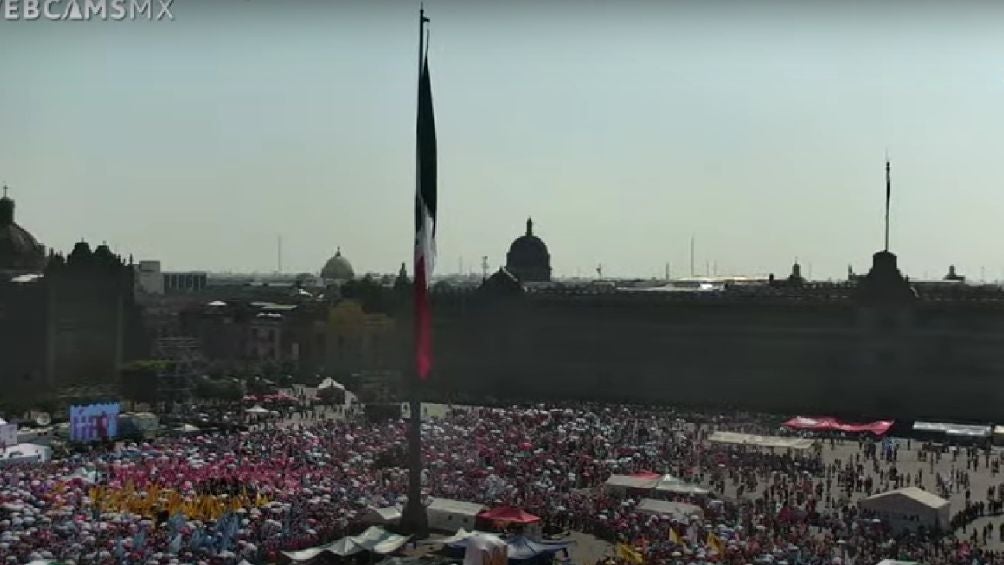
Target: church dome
[(338, 268), (19, 251), (528, 259)]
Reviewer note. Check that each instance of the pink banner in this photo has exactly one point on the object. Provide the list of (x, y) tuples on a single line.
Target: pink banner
[(879, 428)]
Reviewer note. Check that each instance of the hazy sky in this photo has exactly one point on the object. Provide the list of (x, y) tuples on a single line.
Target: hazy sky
[(621, 127)]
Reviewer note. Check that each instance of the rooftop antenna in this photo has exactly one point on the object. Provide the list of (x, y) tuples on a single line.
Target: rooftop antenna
[(599, 271), (667, 270), (279, 255), (888, 196), (484, 267)]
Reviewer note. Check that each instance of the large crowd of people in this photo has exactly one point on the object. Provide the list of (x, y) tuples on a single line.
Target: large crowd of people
[(312, 480)]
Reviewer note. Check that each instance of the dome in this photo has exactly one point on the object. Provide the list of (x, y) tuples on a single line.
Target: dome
[(528, 258), (338, 268), (19, 251)]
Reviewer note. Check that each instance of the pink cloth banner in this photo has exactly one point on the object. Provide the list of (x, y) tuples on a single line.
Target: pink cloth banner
[(878, 428)]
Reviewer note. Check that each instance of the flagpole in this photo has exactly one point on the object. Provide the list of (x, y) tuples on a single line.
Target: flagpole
[(888, 194), (414, 518)]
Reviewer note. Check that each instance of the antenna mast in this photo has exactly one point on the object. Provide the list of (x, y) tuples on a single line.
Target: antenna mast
[(888, 195)]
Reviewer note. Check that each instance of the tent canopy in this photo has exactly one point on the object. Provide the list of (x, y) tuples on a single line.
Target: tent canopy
[(956, 430), (675, 485), (633, 482), (678, 510), (760, 441), (662, 483), (482, 548), (458, 507), (374, 539), (521, 548), (330, 383), (918, 495), (518, 548), (385, 515), (509, 515)]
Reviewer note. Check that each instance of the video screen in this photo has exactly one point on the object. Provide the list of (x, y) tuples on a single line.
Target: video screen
[(94, 422)]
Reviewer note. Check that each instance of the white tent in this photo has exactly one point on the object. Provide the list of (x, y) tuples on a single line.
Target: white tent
[(448, 515), (485, 549), (953, 430), (187, 428), (733, 438), (909, 508), (330, 383), (460, 536), (257, 410), (675, 485), (26, 453), (625, 482), (385, 515), (620, 484), (677, 510), (375, 539)]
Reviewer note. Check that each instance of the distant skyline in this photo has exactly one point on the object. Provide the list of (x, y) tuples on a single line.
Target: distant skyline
[(760, 128)]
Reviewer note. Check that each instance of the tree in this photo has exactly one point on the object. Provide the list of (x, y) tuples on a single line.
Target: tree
[(218, 389)]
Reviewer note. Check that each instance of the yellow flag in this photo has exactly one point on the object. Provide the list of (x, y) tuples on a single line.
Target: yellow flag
[(629, 553), (715, 543), (675, 537)]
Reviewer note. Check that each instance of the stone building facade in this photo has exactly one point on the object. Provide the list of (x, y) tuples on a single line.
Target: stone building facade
[(66, 324), (877, 346)]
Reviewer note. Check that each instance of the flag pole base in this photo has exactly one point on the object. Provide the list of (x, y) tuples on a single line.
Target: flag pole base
[(414, 519)]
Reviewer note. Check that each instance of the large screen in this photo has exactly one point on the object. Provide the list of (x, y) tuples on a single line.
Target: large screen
[(94, 422)]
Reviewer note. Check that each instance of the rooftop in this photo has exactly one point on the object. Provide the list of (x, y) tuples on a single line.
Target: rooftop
[(920, 495)]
